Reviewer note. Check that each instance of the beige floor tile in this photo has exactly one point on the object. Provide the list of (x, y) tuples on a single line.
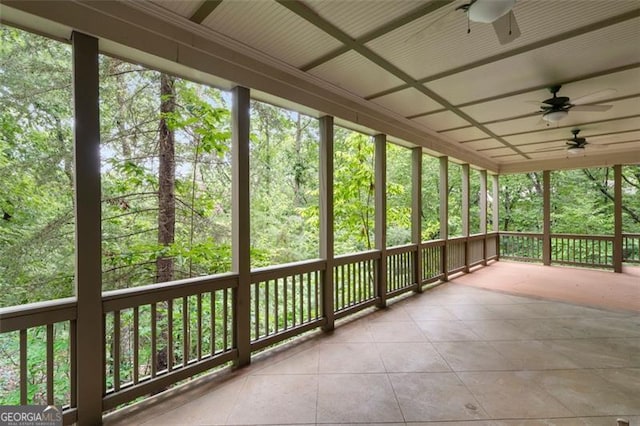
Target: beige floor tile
[(357, 398), (411, 357), (532, 355), (282, 399), (446, 331), (585, 393), (434, 396), (598, 353), (396, 332), (350, 358), (472, 356), (496, 330), (430, 313), (356, 332), (393, 313), (472, 312), (512, 395), (541, 328), (624, 379), (305, 362)]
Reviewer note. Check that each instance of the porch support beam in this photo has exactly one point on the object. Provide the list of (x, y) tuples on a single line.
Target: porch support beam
[(444, 213), (88, 284), (483, 213), (326, 219), (617, 217), (240, 218), (546, 217), (466, 172), (416, 213), (495, 206), (380, 184)]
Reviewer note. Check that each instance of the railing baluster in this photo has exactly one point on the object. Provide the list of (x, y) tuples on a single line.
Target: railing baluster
[(50, 379), (73, 363), (104, 354), (199, 340), (301, 313), (213, 300), (154, 338), (186, 339), (309, 316), (285, 308), (136, 345), (170, 335), (116, 350), (276, 292), (23, 367)]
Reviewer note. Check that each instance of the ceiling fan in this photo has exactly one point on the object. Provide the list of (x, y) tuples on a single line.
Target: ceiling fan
[(575, 145), (557, 107), (496, 12)]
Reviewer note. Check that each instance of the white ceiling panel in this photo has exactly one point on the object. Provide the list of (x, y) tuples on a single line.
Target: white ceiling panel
[(546, 65), (408, 102), (355, 18), (272, 29), (466, 134), (439, 41), (624, 82), (500, 151), (184, 8), (484, 144), (349, 71), (618, 137), (442, 120)]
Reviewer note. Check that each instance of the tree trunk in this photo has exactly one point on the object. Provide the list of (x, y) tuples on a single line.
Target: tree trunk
[(166, 180)]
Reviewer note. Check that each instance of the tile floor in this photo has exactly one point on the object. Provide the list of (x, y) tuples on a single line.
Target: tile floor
[(455, 355)]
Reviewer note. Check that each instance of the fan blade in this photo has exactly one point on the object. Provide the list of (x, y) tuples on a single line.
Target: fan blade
[(592, 97), (595, 108), (506, 28)]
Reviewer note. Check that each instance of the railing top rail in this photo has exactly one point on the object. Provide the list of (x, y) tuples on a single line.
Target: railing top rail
[(474, 237), (137, 296), (405, 248), (523, 234), (343, 259), (288, 269), (458, 239), (35, 314), (583, 236), (433, 243), (627, 234)]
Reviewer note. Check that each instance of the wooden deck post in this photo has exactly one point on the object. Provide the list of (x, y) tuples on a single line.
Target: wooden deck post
[(88, 284), (483, 213), (241, 260), (444, 214), (617, 217), (466, 171), (546, 217), (326, 219), (416, 213), (381, 216), (495, 216)]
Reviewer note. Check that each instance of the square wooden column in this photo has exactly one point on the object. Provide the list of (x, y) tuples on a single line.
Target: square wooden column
[(381, 216), (444, 213), (326, 219), (617, 218), (495, 217), (546, 217), (240, 218), (483, 213), (416, 213), (88, 285), (466, 171)]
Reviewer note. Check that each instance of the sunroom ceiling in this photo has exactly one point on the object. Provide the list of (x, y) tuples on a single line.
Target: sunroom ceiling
[(416, 59), (414, 62)]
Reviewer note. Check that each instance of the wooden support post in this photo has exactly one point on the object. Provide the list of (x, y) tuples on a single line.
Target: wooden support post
[(89, 334), (483, 213), (495, 217), (241, 260), (466, 172), (444, 214), (381, 217), (546, 217), (326, 219), (617, 217), (416, 213)]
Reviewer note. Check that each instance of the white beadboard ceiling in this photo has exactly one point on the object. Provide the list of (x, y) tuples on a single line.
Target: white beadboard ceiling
[(415, 59), (407, 66)]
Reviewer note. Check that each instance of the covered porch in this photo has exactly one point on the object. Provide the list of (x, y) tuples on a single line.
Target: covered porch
[(446, 328)]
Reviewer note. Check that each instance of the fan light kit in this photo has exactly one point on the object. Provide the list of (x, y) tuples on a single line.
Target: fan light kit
[(488, 11), (555, 116), (575, 150)]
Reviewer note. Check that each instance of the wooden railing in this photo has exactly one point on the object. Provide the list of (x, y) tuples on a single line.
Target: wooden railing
[(158, 335), (521, 246), (631, 248)]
